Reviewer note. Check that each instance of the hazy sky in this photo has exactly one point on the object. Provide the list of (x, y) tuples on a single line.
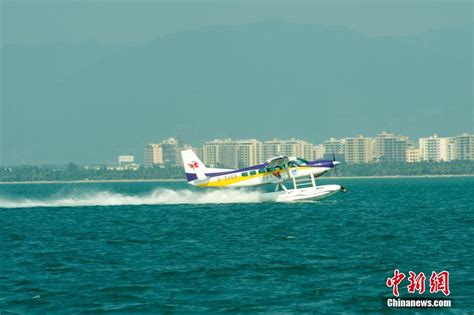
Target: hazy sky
[(70, 93), (25, 22)]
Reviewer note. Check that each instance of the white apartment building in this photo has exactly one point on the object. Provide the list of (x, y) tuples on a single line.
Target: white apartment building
[(292, 147), (229, 153), (249, 152), (389, 147), (464, 146), (452, 149), (318, 152), (334, 148), (434, 148), (232, 153), (334, 145)]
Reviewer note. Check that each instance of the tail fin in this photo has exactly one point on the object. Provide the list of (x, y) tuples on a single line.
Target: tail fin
[(193, 166)]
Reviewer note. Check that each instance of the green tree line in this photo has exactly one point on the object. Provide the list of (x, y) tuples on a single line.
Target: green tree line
[(403, 168), (71, 172)]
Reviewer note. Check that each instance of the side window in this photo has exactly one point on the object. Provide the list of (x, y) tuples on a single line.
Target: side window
[(253, 172), (245, 174), (261, 171)]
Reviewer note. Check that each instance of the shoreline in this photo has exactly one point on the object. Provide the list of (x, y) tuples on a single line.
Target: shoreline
[(83, 181)]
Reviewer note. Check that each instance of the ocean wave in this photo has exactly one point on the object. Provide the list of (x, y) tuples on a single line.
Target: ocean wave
[(158, 196)]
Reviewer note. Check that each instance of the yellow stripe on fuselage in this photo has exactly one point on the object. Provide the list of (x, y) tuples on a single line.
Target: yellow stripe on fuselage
[(222, 181)]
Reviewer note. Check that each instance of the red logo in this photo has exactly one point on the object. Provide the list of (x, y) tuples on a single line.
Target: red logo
[(417, 282), (395, 281), (439, 282), (193, 165)]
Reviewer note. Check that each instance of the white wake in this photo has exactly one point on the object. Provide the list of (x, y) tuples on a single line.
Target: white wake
[(158, 196)]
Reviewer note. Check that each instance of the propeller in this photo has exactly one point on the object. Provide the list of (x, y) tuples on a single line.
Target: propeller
[(334, 164)]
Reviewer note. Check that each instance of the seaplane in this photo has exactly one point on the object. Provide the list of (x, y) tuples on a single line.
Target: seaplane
[(301, 173)]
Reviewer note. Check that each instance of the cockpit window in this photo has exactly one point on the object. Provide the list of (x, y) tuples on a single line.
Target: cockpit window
[(297, 162), (302, 161), (276, 168)]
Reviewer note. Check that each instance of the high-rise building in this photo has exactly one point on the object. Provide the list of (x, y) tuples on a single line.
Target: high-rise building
[(210, 152), (358, 149), (272, 148), (318, 152), (199, 152), (334, 148), (249, 152), (413, 154), (220, 153), (171, 151), (153, 155), (390, 148), (230, 153), (452, 149), (165, 153), (464, 145), (434, 148), (293, 147)]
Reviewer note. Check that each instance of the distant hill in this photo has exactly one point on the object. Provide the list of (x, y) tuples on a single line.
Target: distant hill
[(87, 102)]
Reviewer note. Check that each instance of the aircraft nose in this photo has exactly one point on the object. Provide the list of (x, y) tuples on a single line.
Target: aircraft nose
[(335, 163)]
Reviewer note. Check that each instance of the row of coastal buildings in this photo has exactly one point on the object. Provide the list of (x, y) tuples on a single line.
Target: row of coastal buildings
[(384, 147)]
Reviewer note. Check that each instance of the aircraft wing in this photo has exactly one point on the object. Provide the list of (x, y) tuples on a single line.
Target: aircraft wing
[(281, 161)]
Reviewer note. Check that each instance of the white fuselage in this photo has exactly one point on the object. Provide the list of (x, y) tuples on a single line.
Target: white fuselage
[(259, 177)]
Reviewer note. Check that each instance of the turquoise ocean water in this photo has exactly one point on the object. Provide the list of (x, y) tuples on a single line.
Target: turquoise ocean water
[(165, 247)]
